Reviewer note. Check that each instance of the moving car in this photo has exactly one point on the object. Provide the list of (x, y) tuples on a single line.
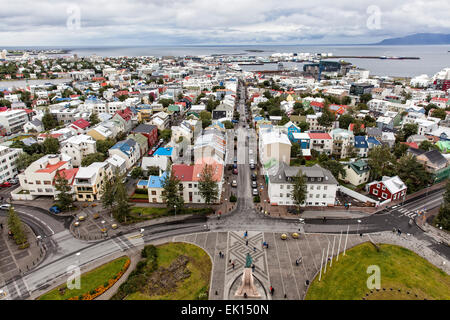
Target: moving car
[(13, 181), (5, 206), (5, 185)]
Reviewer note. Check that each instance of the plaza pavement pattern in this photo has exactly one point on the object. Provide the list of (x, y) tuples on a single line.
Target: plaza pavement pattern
[(274, 266)]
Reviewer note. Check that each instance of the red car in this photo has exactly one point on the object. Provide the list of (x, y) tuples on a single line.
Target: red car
[(235, 171), (5, 185)]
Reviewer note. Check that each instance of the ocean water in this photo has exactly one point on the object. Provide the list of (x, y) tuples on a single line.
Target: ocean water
[(433, 58)]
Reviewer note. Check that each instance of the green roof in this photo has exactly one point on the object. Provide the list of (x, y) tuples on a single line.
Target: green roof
[(444, 146), (174, 107)]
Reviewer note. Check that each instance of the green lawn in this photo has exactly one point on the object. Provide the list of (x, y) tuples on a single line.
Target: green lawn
[(89, 281), (400, 268), (147, 213), (189, 289)]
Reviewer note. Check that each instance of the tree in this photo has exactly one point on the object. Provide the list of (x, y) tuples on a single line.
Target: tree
[(171, 194), (295, 150), (326, 119), (427, 146), (91, 158), (208, 188), (299, 190), (93, 118), (121, 208), (166, 134), (24, 160), (108, 191), (412, 173), (228, 124), (335, 168), (381, 162), (5, 103), (137, 173), (400, 149), (15, 225), (166, 102), (50, 145), (64, 195), (439, 113), (365, 97), (48, 120), (104, 145), (153, 171), (443, 217), (304, 126), (205, 117), (345, 120), (408, 130)]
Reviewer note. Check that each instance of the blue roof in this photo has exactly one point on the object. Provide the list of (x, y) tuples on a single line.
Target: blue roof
[(258, 118), (360, 142), (63, 99), (125, 146), (155, 181), (142, 183), (164, 151), (373, 140)]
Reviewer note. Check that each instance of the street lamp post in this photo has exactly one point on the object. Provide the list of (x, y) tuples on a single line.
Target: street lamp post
[(357, 229), (175, 206)]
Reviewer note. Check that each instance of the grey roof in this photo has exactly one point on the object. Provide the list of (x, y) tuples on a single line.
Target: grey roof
[(374, 131), (36, 122), (283, 171), (415, 151), (143, 127), (434, 156)]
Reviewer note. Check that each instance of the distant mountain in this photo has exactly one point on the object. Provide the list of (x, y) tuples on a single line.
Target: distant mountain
[(418, 39)]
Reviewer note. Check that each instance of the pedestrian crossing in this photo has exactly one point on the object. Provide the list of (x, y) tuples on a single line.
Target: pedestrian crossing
[(407, 213)]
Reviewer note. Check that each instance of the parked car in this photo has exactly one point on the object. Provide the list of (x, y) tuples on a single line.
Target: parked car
[(5, 185), (234, 183), (255, 192), (253, 177), (13, 181), (254, 184), (235, 171), (252, 166), (5, 206), (54, 209)]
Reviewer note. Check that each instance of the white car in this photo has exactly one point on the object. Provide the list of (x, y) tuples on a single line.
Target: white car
[(5, 206), (234, 183)]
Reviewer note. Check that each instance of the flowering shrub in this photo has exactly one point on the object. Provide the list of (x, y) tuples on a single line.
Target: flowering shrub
[(102, 288)]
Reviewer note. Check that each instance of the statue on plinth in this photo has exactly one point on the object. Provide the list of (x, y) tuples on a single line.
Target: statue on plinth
[(247, 287)]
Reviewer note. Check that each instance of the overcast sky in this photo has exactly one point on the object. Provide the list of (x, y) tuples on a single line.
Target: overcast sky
[(185, 22)]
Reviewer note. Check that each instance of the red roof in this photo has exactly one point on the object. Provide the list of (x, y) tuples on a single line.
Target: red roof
[(316, 104), (51, 167), (411, 144), (319, 135), (68, 174), (125, 114), (352, 125), (81, 123), (183, 172)]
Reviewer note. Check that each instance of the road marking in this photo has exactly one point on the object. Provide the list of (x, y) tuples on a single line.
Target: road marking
[(36, 218)]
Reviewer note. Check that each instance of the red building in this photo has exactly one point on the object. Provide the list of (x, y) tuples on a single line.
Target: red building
[(389, 188), (148, 130)]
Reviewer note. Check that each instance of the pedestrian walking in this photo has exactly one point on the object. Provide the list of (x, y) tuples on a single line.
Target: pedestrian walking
[(246, 242), (232, 265), (267, 245), (254, 249), (253, 268), (394, 230), (1, 226), (272, 290), (324, 219), (296, 262), (245, 234)]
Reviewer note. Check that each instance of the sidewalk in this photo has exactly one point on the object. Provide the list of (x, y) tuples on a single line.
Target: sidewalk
[(14, 261), (347, 214)]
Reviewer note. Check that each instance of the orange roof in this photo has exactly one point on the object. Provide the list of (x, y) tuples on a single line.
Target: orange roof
[(217, 169), (68, 174), (51, 167)]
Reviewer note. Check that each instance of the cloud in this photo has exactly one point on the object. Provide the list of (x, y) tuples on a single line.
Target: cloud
[(153, 22)]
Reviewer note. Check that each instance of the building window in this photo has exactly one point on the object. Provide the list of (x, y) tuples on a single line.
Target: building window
[(375, 192), (384, 195)]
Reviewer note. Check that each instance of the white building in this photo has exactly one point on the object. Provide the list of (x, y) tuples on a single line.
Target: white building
[(13, 120), (8, 157), (77, 147), (89, 180), (320, 184), (274, 145)]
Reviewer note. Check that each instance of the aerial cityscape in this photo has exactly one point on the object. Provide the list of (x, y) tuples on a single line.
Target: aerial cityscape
[(247, 170)]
